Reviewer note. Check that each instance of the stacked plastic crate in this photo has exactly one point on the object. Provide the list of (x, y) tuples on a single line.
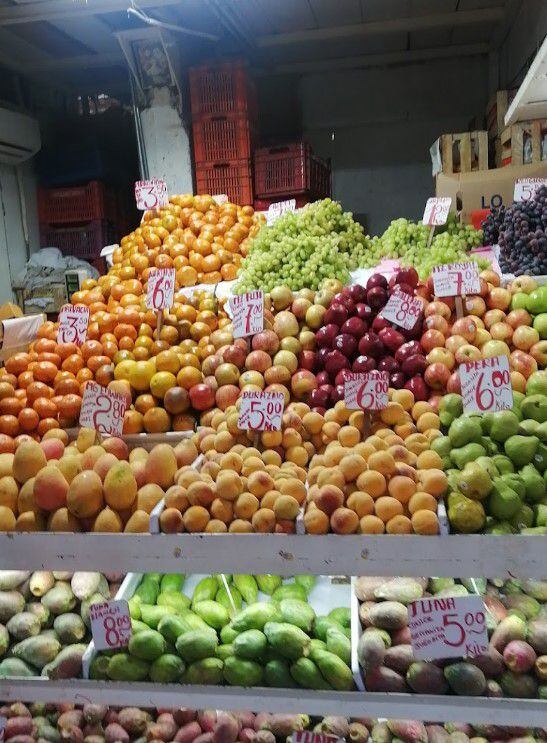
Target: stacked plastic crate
[(290, 171), (79, 220), (224, 123)]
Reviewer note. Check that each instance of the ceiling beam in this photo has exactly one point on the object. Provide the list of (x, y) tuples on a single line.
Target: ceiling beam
[(392, 25), (511, 10), (53, 9), (377, 60)]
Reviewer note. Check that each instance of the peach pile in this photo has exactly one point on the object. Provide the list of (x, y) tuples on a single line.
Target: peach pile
[(87, 485), (379, 477), (490, 326), (240, 491)]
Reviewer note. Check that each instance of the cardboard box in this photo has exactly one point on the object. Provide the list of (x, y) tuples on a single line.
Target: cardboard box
[(9, 310), (484, 189), (48, 299)]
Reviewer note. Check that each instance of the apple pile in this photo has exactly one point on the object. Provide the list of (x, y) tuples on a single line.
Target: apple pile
[(355, 338), (494, 323)]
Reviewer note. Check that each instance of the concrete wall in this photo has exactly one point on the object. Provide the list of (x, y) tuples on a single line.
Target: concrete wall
[(13, 251), (522, 41), (377, 126)]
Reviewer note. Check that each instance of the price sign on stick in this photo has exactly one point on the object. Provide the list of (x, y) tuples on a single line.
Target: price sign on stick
[(110, 624), (161, 289), (525, 188), (247, 313), (261, 411), (486, 385), (456, 279), (73, 322), (436, 210), (448, 627), (366, 391), (102, 409), (151, 194), (278, 208), (403, 310)]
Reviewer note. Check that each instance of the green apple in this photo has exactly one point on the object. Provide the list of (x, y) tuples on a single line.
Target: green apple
[(537, 383), (540, 324), (537, 300), (519, 301)]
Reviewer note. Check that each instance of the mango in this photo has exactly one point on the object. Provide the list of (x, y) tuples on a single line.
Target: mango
[(256, 616), (297, 612), (108, 521), (122, 667), (120, 486), (426, 678), (167, 669), (334, 670), (160, 466), (15, 667), (37, 651), (85, 495), (151, 615), (287, 640), (250, 645), (213, 613), (28, 460), (11, 603), (206, 671), (196, 645), (59, 599), (174, 600), (268, 583), (389, 615), (465, 679), (340, 645), (68, 664), (277, 674), (70, 628), (239, 672), (290, 591)]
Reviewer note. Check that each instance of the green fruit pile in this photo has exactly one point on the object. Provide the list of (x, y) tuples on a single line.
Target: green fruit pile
[(408, 242), (497, 464), (302, 248), (44, 621), (514, 665), (225, 634)]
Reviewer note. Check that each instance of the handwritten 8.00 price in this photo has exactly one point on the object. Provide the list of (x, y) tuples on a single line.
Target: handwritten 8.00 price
[(403, 310), (161, 289), (110, 624), (486, 385), (103, 410)]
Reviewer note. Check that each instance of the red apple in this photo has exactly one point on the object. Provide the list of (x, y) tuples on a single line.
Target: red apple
[(364, 312), (516, 318), (322, 378), (437, 376), (380, 323), (335, 362), (388, 364), (341, 377), (418, 388), (391, 339), (432, 339), (354, 326), (346, 344), (321, 395), (336, 314), (407, 349), (414, 365), (377, 279), (364, 364), (357, 292), (371, 345), (376, 297), (302, 383), (396, 380), (325, 336), (454, 383), (306, 360)]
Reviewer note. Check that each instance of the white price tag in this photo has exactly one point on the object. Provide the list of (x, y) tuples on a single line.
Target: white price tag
[(486, 385), (261, 411), (151, 194), (306, 736), (436, 210), (278, 208), (247, 313), (448, 627), (73, 322), (110, 624), (102, 409), (525, 188), (161, 289), (366, 391), (456, 279), (403, 310), (220, 199)]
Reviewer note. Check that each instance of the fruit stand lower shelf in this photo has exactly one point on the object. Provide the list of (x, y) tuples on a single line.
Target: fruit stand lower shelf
[(517, 556), (474, 710)]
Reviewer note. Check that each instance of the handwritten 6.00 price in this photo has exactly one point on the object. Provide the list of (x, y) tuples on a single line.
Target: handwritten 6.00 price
[(486, 385), (161, 289)]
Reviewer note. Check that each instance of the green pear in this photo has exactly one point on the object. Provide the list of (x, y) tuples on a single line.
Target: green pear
[(442, 446), (541, 515), (515, 483), (468, 453), (535, 407), (504, 424), (503, 502), (500, 528), (523, 519), (528, 427), (466, 515), (474, 481), (487, 463), (503, 463), (490, 446), (540, 458), (486, 423), (521, 449), (542, 432), (534, 483), (450, 408), (464, 430)]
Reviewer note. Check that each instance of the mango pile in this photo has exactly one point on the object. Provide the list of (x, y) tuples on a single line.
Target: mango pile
[(225, 634), (44, 620), (496, 463), (516, 617)]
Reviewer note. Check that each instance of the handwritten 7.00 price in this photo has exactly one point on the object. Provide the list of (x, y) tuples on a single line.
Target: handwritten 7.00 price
[(456, 279), (247, 313)]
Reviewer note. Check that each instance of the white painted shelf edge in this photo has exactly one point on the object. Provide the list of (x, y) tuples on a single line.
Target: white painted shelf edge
[(516, 556), (525, 712)]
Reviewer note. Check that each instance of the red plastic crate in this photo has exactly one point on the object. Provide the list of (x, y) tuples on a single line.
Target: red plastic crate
[(222, 88), (262, 205), (76, 204), (233, 177), (290, 169), (223, 137), (83, 241)]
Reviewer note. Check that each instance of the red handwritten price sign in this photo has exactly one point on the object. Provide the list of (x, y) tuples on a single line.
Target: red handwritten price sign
[(261, 411), (448, 627), (436, 210), (278, 208), (456, 279), (161, 289), (306, 736), (102, 409), (151, 194), (486, 385), (525, 188), (247, 311), (403, 310), (110, 624), (73, 322), (366, 391)]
